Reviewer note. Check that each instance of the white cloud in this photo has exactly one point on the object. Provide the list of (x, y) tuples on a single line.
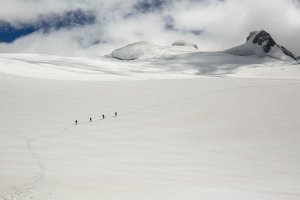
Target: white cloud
[(224, 24)]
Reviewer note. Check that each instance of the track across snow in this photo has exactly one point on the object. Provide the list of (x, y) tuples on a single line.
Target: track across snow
[(215, 138)]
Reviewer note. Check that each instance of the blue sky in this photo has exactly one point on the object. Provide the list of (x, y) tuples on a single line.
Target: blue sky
[(45, 23), (96, 27)]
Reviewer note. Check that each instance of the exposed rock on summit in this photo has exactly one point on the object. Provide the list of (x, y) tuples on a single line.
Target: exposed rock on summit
[(261, 43)]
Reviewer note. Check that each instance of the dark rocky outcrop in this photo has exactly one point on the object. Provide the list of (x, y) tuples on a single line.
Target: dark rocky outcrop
[(264, 39)]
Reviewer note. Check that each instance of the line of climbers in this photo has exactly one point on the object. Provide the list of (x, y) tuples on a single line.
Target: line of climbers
[(103, 117)]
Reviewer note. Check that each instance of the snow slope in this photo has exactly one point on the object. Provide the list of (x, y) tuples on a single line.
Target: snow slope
[(186, 128), (211, 139)]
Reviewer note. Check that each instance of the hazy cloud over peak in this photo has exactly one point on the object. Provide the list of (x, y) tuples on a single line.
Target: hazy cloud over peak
[(95, 27)]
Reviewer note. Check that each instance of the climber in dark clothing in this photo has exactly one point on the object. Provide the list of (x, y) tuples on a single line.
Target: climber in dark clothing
[(90, 119), (76, 122), (116, 114), (103, 116)]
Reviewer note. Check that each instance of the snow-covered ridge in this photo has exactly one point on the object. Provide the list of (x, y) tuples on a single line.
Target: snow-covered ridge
[(146, 50), (261, 43), (137, 50)]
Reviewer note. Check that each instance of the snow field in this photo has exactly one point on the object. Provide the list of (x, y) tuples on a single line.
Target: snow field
[(173, 139)]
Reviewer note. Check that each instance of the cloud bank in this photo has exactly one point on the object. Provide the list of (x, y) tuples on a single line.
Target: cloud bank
[(103, 25)]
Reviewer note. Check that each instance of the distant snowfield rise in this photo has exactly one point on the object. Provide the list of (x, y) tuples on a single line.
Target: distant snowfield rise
[(145, 50), (174, 65), (190, 125)]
